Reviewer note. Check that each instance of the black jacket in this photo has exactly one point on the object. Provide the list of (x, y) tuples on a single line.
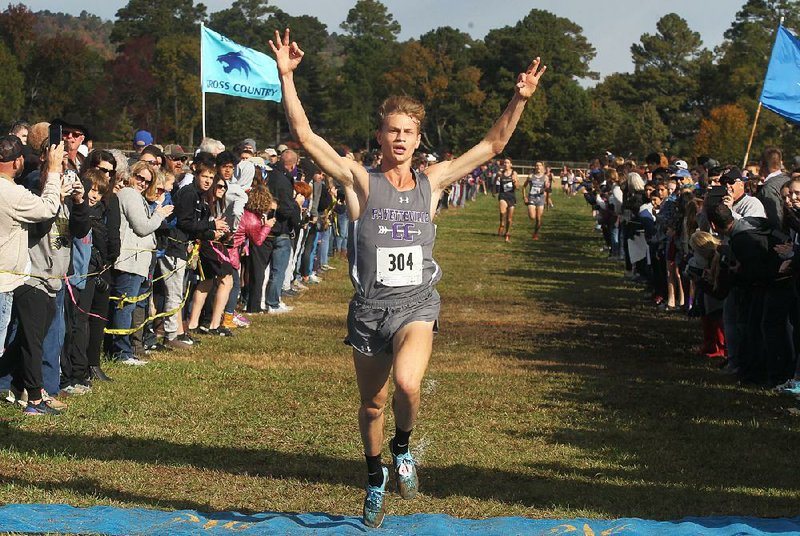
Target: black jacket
[(193, 221), (287, 216)]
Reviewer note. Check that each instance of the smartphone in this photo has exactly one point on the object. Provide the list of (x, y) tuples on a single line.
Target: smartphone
[(70, 177), (54, 135)]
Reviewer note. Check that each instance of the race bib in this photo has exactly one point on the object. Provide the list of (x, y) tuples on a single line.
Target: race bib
[(536, 189), (400, 267), (508, 186)]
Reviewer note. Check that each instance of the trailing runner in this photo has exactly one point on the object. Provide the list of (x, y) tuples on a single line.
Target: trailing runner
[(534, 194), (394, 312), (507, 195)]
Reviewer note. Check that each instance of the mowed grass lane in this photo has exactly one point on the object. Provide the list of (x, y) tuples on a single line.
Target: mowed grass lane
[(554, 391)]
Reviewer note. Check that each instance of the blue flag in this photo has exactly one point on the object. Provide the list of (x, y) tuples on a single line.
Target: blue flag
[(232, 69), (781, 92)]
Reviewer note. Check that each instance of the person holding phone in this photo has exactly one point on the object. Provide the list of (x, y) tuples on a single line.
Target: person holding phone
[(34, 304), (395, 309)]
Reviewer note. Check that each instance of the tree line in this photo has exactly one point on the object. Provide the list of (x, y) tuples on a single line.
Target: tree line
[(142, 71)]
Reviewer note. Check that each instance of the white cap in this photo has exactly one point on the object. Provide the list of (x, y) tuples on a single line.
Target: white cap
[(681, 164)]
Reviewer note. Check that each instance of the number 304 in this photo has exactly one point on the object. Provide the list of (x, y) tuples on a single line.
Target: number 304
[(400, 262)]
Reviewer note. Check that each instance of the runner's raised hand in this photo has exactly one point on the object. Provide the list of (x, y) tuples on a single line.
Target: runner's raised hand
[(287, 54), (528, 81)]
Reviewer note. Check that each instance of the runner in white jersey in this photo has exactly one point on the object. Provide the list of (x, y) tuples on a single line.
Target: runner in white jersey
[(393, 314)]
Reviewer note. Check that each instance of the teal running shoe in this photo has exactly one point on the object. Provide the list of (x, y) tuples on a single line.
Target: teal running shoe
[(405, 473), (373, 502)]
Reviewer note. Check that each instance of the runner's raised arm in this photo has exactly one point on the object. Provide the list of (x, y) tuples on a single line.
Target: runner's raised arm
[(288, 56), (445, 173)]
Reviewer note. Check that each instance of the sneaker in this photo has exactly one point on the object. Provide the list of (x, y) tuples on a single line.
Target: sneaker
[(373, 503), (241, 321), (221, 331), (298, 285), (314, 280), (42, 408), (177, 343), (289, 293), (203, 329), (405, 474), (227, 321), (326, 267), (15, 397), (76, 390), (157, 347), (280, 309), (187, 339), (790, 387), (53, 402), (132, 361)]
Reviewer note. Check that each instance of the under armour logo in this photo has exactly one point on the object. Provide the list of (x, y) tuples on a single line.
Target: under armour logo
[(406, 200)]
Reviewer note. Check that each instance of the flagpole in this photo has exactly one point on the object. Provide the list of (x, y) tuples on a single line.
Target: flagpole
[(758, 110), (202, 89)]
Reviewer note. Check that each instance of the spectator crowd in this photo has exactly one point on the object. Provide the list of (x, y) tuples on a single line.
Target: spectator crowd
[(716, 242)]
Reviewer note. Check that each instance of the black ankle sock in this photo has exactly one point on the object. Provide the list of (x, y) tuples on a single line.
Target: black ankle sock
[(374, 470), (399, 444)]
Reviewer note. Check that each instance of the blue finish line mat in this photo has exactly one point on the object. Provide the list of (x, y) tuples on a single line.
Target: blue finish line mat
[(58, 518)]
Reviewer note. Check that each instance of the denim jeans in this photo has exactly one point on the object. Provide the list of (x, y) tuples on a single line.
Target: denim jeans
[(126, 284), (342, 224), (323, 239), (235, 291), (281, 254), (52, 345), (6, 299)]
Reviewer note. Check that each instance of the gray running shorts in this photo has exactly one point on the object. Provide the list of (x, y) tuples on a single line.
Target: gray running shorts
[(535, 201), (371, 324)]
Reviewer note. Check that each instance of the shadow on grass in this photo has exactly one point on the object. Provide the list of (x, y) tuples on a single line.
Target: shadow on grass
[(642, 493)]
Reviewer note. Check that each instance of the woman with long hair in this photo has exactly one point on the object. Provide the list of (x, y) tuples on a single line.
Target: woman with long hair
[(216, 266)]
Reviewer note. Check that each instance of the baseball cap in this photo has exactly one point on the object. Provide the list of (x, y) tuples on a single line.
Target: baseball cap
[(682, 173), (251, 142), (681, 164), (271, 152), (174, 151), (280, 148), (731, 175), (142, 138)]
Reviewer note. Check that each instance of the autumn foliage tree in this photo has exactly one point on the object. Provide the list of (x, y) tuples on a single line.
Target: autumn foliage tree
[(723, 133)]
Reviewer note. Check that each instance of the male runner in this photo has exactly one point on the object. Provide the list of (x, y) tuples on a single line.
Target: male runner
[(393, 314)]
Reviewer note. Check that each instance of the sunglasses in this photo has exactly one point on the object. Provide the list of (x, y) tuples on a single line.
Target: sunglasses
[(142, 178), (176, 158), (109, 172), (72, 134), (151, 162), (222, 186)]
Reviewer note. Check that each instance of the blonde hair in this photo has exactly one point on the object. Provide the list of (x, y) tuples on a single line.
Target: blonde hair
[(635, 182), (401, 104), (150, 192), (704, 244)]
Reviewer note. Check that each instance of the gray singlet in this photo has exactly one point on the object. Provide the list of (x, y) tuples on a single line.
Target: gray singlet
[(391, 245)]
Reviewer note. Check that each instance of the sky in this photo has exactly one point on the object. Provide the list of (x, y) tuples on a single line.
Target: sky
[(612, 26)]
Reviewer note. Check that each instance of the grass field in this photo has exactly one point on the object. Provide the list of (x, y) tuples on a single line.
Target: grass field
[(554, 391)]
